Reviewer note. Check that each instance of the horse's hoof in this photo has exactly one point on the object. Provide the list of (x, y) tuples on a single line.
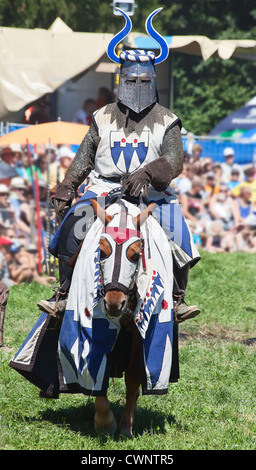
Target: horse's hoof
[(111, 429), (125, 433)]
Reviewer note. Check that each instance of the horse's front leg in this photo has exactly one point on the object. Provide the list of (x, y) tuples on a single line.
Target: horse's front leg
[(104, 420), (132, 381)]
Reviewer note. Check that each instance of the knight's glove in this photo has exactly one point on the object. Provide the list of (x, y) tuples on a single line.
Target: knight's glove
[(62, 199), (157, 173)]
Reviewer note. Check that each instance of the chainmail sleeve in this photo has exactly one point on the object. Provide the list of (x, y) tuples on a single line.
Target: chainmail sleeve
[(81, 166), (172, 149)]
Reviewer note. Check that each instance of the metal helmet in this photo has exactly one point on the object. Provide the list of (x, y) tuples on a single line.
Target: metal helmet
[(137, 83)]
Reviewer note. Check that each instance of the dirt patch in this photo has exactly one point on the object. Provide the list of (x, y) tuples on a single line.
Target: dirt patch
[(218, 333)]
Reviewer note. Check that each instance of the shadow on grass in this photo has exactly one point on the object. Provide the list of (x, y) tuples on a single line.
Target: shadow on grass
[(80, 419)]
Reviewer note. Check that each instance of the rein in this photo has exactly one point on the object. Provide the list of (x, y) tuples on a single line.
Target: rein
[(121, 234)]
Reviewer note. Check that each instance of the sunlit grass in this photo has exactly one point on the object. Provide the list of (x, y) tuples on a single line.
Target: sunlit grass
[(213, 406)]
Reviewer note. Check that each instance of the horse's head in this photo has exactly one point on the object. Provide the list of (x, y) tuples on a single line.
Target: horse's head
[(121, 247)]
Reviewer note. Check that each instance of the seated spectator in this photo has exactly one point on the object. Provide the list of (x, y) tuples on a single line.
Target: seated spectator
[(218, 172), (234, 179), (192, 201), (5, 257), (245, 235), (83, 116), (58, 169), (217, 240), (11, 155), (197, 150), (223, 208), (211, 186), (51, 152), (229, 164), (184, 182), (250, 183), (7, 214), (23, 168), (186, 157), (210, 189), (244, 203), (22, 267), (41, 167), (206, 165), (19, 204)]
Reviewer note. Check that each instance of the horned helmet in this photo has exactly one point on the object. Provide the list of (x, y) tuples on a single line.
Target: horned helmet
[(137, 82)]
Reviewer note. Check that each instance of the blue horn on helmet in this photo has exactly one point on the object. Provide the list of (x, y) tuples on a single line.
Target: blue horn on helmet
[(118, 38), (164, 49), (137, 85)]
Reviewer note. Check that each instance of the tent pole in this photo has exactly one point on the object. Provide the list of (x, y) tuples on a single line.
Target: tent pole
[(48, 203), (171, 80)]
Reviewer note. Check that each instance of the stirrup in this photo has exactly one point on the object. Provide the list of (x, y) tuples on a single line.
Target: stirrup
[(55, 306), (189, 311)]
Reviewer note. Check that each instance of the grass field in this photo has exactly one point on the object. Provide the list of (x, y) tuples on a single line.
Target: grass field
[(213, 406)]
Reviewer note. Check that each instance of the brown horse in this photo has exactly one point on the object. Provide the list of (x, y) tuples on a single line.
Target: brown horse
[(120, 245)]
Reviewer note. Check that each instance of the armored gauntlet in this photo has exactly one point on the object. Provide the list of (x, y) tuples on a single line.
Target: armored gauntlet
[(157, 173), (63, 198)]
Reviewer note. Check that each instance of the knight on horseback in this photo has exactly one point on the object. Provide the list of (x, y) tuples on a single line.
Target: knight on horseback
[(135, 147)]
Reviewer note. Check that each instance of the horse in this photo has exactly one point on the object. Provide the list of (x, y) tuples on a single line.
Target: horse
[(116, 305), (118, 318)]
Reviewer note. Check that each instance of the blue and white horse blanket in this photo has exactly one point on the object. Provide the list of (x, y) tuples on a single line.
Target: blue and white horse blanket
[(167, 212), (76, 355)]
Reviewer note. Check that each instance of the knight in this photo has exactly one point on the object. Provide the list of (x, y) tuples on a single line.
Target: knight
[(133, 148)]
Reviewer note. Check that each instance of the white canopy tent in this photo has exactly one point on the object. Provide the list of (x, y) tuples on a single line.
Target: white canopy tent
[(34, 62)]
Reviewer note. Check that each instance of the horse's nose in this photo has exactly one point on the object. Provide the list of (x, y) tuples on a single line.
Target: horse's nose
[(114, 304)]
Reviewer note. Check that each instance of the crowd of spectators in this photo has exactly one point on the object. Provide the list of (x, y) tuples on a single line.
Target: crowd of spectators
[(19, 257), (219, 201), (22, 256)]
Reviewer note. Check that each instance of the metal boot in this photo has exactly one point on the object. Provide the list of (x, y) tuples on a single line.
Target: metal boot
[(56, 305), (182, 311)]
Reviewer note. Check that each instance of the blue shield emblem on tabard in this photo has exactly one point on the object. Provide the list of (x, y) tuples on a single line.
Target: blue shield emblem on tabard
[(128, 152)]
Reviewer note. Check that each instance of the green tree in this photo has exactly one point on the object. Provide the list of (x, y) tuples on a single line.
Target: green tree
[(204, 91)]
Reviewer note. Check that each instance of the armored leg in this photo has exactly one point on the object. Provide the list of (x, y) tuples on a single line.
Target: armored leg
[(56, 305), (68, 248), (182, 311)]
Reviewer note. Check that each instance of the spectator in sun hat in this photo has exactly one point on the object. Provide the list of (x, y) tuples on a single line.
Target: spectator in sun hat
[(19, 204), (229, 164), (11, 154), (59, 168), (6, 172)]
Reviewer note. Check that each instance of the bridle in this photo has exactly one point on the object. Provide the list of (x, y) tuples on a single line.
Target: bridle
[(121, 234)]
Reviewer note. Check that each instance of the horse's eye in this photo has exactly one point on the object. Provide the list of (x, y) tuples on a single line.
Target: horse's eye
[(102, 255), (135, 257)]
